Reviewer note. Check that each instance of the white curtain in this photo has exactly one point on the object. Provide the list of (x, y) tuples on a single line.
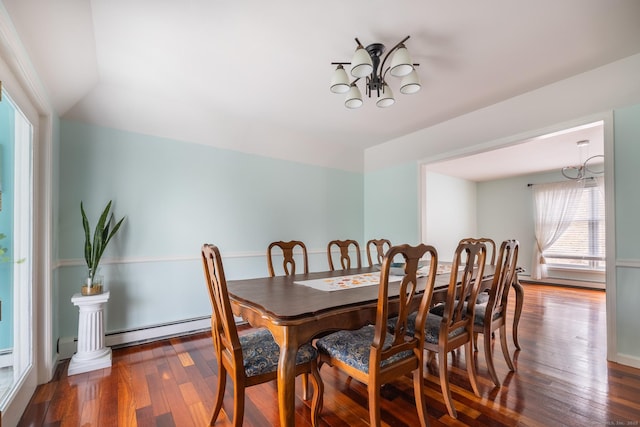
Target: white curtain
[(552, 216), (600, 183)]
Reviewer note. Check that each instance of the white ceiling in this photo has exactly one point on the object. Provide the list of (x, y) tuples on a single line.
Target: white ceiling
[(253, 75), (545, 153)]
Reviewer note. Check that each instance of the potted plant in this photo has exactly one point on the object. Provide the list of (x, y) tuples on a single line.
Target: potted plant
[(93, 250)]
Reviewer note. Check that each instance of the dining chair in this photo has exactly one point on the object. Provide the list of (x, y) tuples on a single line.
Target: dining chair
[(345, 258), (483, 297), (289, 268), (449, 325), (288, 261), (380, 246), (251, 358), (491, 315), (490, 243), (375, 356)]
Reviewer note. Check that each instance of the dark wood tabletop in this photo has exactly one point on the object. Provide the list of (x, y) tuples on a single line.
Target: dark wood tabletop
[(282, 298)]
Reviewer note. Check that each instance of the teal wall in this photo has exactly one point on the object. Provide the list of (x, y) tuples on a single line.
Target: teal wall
[(177, 196), (627, 210), (391, 204), (7, 118)]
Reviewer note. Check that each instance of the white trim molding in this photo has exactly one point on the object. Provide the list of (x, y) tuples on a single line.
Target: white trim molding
[(629, 263)]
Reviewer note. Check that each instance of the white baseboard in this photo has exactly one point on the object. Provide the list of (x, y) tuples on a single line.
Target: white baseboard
[(564, 282), (67, 345), (628, 360)]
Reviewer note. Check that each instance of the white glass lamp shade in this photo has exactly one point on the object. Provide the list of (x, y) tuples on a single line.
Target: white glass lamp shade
[(410, 83), (361, 64), (386, 97), (340, 81), (401, 63), (354, 98)]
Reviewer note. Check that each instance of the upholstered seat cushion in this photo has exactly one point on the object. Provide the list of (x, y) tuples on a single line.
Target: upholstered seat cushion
[(260, 353), (432, 327), (481, 309), (478, 319), (482, 298), (354, 347), (438, 310)]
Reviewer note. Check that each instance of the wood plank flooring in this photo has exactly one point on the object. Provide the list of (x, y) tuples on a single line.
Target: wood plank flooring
[(562, 378)]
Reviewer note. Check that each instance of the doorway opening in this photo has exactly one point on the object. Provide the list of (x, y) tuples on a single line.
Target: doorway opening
[(488, 193)]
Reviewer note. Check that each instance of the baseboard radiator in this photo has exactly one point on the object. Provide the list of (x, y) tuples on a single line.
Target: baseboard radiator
[(67, 345)]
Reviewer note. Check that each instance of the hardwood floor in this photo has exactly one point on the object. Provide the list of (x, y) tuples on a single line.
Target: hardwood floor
[(562, 378)]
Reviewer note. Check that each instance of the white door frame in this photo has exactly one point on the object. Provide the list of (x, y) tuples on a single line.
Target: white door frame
[(20, 80)]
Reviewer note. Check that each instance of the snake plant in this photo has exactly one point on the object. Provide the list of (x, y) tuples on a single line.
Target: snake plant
[(102, 235)]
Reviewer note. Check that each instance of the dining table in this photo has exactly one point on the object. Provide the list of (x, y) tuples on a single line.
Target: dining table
[(298, 308)]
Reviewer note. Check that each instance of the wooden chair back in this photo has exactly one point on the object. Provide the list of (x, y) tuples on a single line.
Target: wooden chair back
[(464, 283), (288, 261), (380, 246), (504, 276), (455, 328), (408, 292), (223, 326), (490, 243), (345, 258), (494, 316)]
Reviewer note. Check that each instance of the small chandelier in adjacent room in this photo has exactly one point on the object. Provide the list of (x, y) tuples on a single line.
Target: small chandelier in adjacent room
[(584, 170), (366, 64)]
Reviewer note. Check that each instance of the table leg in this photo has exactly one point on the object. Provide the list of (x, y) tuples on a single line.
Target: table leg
[(286, 378), (517, 286)]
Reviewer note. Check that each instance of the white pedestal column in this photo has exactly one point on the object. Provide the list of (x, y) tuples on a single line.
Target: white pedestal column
[(91, 354)]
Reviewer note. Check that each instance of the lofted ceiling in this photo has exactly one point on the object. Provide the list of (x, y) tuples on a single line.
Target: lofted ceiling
[(253, 75)]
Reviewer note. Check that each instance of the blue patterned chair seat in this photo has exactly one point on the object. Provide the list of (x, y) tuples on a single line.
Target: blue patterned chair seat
[(260, 353), (481, 309), (354, 347), (438, 310), (432, 327), (483, 298)]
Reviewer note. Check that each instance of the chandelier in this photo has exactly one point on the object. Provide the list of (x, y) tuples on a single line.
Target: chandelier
[(583, 170), (366, 64)]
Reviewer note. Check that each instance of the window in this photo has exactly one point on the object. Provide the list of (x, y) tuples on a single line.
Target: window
[(16, 261), (582, 244)]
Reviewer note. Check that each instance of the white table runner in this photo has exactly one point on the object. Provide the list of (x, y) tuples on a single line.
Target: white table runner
[(358, 280)]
